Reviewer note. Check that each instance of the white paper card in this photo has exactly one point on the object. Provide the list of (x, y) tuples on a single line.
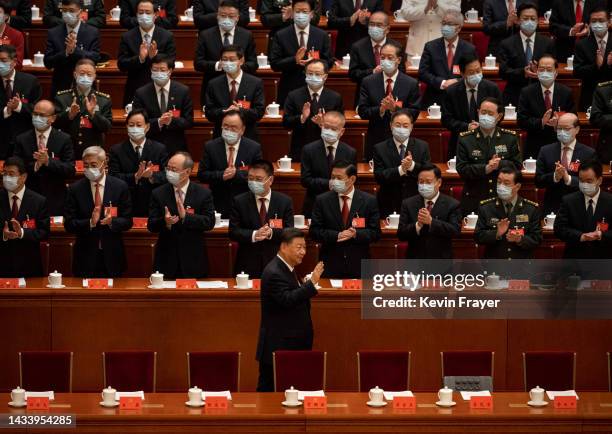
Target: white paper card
[(110, 283), (214, 284), (303, 393), (390, 395), (137, 394), (179, 65), (336, 283), (225, 393), (468, 395), (27, 62), (48, 394), (552, 393), (57, 219)]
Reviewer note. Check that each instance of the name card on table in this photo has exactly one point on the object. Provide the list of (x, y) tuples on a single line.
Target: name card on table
[(12, 282), (256, 283), (481, 402), (98, 283), (404, 402), (216, 403), (564, 402), (139, 222), (38, 403), (518, 285), (186, 284), (315, 402), (601, 284), (130, 403), (50, 395), (351, 284)]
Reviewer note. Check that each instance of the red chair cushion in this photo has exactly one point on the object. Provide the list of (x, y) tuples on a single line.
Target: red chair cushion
[(304, 370), (481, 42), (502, 85), (445, 137), (400, 250), (388, 370), (474, 363), (45, 370), (214, 371), (552, 370), (130, 370)]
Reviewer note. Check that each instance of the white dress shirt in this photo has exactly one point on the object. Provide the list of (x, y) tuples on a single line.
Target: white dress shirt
[(594, 198), (350, 198), (570, 153), (238, 79), (45, 134), (318, 92), (531, 38), (227, 151), (469, 94), (446, 45), (12, 78), (285, 262), (380, 44), (267, 198), (401, 170), (604, 39), (306, 31), (166, 88), (92, 185), (148, 32), (230, 36), (333, 145), (74, 29), (552, 92), (19, 196), (183, 191)]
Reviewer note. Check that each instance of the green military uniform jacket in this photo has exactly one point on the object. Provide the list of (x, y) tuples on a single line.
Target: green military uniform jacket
[(601, 117)]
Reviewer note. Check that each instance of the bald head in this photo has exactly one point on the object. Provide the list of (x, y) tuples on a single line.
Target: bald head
[(44, 107), (379, 17), (568, 120)]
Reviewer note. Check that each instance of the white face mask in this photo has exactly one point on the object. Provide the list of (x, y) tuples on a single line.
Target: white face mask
[(173, 178), (92, 173), (10, 182)]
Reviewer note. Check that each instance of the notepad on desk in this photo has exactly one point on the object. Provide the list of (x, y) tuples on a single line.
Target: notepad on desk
[(226, 393), (303, 393), (403, 394), (468, 395), (552, 394)]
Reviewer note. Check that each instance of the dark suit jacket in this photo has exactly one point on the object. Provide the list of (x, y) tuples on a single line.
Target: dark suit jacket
[(494, 16), (315, 172), (179, 98), (244, 220), (77, 215), (585, 67), (208, 53), (87, 46), (512, 63), (339, 18), (28, 87), (214, 162), (283, 47), (393, 187), (303, 133), (601, 118), (167, 13), (531, 109), (456, 115), (545, 170), (205, 13), (123, 164), (572, 222), (285, 311), (139, 74), (22, 10), (96, 16), (21, 257), (343, 260), (218, 99), (181, 250), (272, 17), (50, 181), (433, 241), (433, 68), (363, 62), (406, 90), (563, 18)]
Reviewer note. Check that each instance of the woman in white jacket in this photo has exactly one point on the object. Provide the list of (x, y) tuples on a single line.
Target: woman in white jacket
[(425, 17)]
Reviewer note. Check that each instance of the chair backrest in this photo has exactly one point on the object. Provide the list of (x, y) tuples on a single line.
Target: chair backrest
[(399, 250), (130, 370), (304, 370), (214, 371), (609, 372), (552, 370), (481, 42), (501, 84), (389, 370), (470, 363), (44, 257), (456, 191), (333, 38), (444, 137), (46, 370)]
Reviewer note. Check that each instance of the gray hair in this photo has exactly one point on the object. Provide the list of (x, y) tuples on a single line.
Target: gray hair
[(96, 151), (456, 16), (188, 163)]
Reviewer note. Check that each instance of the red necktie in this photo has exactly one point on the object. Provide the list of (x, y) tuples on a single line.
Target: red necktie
[(389, 86), (564, 160), (262, 211), (578, 11), (14, 208), (345, 210), (98, 198), (377, 54), (449, 57), (233, 91), (547, 100), (429, 205)]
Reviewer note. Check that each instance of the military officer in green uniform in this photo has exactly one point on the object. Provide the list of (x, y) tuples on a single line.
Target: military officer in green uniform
[(601, 117), (508, 225), (481, 151), (83, 112)]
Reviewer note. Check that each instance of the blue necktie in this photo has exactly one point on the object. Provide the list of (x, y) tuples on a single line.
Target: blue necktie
[(528, 51)]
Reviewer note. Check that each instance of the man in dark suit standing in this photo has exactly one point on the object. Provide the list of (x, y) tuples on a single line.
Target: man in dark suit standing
[(235, 90), (168, 103), (25, 222), (205, 13), (593, 56), (569, 23), (165, 13), (141, 44), (212, 41), (21, 14), (69, 42), (181, 211), (16, 102), (499, 21), (385, 92), (539, 106), (285, 305), (460, 107), (257, 220), (139, 161), (558, 163), (48, 155), (98, 209), (519, 54), (439, 66), (601, 117), (350, 18), (305, 106), (429, 220), (292, 47), (397, 162), (93, 13), (346, 221), (319, 156), (225, 161), (584, 217), (276, 15)]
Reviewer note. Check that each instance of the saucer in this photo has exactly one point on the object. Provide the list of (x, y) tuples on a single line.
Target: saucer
[(548, 228), (194, 405), (155, 287), (291, 404), (286, 170), (56, 286), (446, 404), (436, 118), (301, 227), (490, 68), (494, 288), (376, 404), (109, 406), (273, 116), (537, 404), (249, 286), (12, 404), (391, 227), (451, 171)]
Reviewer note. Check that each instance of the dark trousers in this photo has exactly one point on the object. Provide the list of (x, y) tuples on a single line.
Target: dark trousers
[(265, 382)]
